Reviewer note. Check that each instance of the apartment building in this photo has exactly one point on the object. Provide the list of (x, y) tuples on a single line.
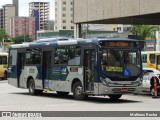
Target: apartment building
[(1, 18), (64, 15), (8, 11), (43, 8), (22, 26)]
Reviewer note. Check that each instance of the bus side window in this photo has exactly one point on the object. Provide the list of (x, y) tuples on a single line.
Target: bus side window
[(4, 60), (13, 57), (61, 56), (152, 58), (144, 58), (0, 60), (74, 55)]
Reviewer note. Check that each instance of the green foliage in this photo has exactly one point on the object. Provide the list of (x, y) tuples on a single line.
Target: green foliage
[(85, 30), (3, 35), (22, 38), (143, 30)]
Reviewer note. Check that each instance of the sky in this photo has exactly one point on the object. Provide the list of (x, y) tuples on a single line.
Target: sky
[(24, 6)]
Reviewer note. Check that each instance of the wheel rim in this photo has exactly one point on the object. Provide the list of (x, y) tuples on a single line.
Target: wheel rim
[(78, 91), (31, 87)]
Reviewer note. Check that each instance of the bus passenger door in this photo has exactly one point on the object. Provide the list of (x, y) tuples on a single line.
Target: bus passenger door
[(89, 68), (20, 69), (46, 65)]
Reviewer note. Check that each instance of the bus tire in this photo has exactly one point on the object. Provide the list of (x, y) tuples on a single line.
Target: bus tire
[(4, 76), (62, 93), (77, 88), (115, 97), (31, 88)]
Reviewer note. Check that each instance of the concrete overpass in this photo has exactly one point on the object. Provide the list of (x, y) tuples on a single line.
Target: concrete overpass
[(116, 12)]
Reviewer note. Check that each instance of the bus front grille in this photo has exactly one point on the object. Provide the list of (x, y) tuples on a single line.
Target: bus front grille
[(119, 90)]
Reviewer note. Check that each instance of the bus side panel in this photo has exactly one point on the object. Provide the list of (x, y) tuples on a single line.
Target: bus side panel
[(66, 76), (35, 73), (12, 76)]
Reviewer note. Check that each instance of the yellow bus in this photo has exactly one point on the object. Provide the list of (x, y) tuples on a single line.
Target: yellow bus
[(153, 59), (3, 65)]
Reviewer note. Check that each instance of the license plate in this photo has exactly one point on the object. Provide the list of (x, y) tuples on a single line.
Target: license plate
[(124, 89)]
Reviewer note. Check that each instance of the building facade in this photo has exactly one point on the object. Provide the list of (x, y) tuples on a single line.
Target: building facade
[(22, 26), (16, 3), (43, 8), (1, 18), (8, 11), (64, 15)]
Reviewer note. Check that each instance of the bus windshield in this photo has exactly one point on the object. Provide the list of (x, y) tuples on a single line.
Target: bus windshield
[(121, 63)]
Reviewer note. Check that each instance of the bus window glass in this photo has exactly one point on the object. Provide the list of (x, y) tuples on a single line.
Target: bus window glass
[(61, 56), (158, 60), (4, 60), (74, 55), (144, 58), (13, 57), (152, 58), (33, 56), (0, 60)]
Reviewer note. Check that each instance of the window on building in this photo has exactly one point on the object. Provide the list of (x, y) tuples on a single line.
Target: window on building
[(71, 9), (71, 21), (72, 27), (119, 28), (64, 21), (64, 8), (63, 15), (64, 3), (71, 3), (64, 27)]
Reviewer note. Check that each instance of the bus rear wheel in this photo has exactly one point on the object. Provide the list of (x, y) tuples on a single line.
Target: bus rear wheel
[(31, 88), (77, 91), (115, 97)]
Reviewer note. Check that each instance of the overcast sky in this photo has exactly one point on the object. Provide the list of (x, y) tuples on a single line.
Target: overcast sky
[(24, 6)]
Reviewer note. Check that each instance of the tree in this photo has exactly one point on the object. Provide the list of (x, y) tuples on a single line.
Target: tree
[(3, 35), (143, 30), (22, 38), (85, 30)]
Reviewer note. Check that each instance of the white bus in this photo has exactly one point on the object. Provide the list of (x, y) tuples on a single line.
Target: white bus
[(81, 66)]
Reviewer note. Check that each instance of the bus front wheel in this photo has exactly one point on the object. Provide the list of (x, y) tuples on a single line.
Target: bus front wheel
[(31, 88), (77, 91), (115, 97)]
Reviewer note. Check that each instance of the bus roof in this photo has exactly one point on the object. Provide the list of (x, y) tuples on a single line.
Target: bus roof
[(65, 41)]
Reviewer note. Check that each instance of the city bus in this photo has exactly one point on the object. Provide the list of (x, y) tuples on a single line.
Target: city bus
[(83, 67), (3, 65), (153, 59)]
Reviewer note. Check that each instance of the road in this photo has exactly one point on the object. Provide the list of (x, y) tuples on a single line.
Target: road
[(16, 99)]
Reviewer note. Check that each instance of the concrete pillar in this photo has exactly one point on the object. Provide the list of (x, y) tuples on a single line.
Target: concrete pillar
[(77, 31)]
